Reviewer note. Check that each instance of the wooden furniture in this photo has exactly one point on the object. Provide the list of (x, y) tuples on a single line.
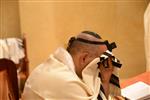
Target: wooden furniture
[(8, 80), (22, 68)]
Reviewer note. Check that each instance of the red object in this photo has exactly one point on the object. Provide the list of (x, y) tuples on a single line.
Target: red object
[(144, 77)]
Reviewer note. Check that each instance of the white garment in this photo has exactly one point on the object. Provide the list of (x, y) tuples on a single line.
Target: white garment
[(55, 79), (4, 50), (11, 48), (16, 51), (147, 36)]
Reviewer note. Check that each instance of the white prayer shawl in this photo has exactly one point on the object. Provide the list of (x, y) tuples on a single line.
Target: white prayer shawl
[(147, 36), (55, 79)]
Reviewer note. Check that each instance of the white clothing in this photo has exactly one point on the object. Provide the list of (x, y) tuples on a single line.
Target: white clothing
[(55, 79), (11, 48), (4, 50)]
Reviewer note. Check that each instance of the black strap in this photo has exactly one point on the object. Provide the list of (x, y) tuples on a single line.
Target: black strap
[(99, 97), (116, 64), (91, 42), (115, 80), (107, 54)]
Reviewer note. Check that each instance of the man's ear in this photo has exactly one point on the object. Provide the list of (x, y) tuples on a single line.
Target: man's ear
[(83, 58)]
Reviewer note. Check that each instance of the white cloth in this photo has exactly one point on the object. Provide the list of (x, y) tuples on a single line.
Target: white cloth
[(4, 50), (11, 48), (55, 79), (16, 50), (147, 36)]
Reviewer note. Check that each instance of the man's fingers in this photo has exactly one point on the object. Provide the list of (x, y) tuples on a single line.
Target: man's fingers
[(106, 65), (110, 63)]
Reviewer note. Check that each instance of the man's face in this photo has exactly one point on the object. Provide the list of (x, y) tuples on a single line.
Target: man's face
[(89, 53), (86, 58), (101, 49)]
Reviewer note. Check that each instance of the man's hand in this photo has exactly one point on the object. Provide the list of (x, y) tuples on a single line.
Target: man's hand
[(106, 72), (106, 75)]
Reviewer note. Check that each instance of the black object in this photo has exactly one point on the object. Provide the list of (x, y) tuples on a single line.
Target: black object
[(104, 57), (91, 42), (110, 46)]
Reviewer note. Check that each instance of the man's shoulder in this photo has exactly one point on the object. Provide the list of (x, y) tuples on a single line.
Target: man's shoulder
[(49, 76), (52, 70)]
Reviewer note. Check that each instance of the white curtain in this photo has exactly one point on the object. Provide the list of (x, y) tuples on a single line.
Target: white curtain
[(147, 36)]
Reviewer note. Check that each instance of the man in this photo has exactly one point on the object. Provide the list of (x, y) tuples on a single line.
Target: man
[(72, 74)]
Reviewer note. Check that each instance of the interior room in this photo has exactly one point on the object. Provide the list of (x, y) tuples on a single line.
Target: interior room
[(44, 25)]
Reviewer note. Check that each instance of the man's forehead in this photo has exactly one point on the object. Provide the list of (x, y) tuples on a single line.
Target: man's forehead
[(103, 47)]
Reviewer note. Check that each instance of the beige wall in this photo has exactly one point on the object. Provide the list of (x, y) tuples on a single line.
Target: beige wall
[(49, 24), (9, 19)]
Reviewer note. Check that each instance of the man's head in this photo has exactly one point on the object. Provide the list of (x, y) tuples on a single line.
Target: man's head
[(83, 53)]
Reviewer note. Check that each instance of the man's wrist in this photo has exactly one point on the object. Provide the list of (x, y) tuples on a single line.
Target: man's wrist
[(105, 81), (105, 86)]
